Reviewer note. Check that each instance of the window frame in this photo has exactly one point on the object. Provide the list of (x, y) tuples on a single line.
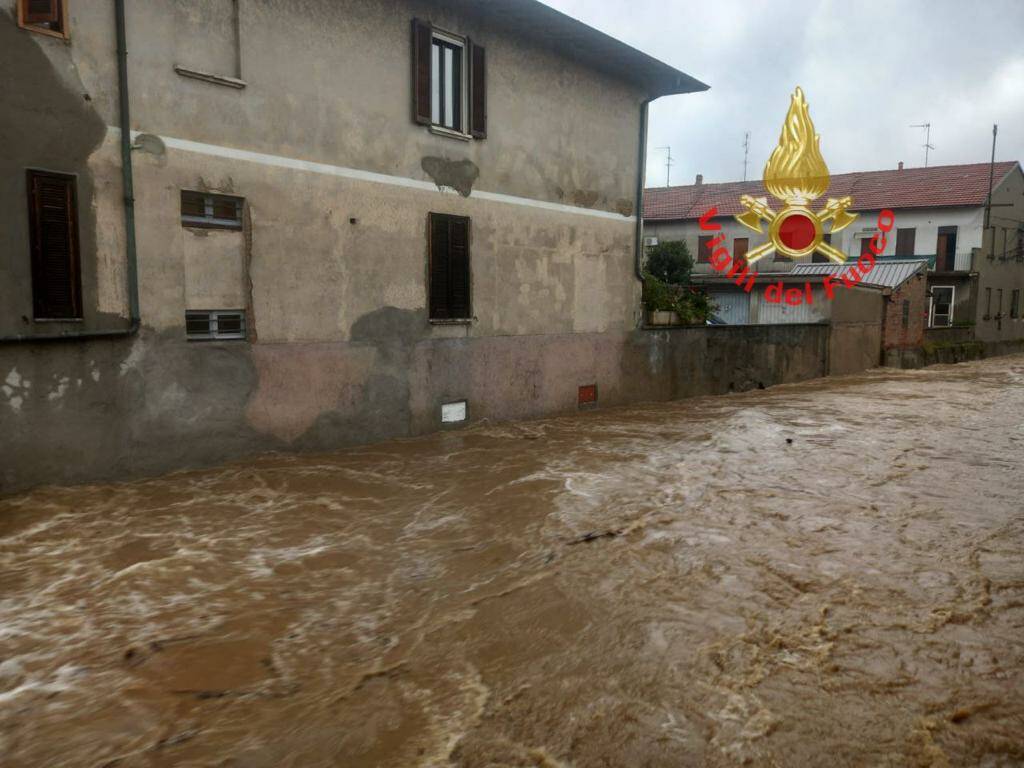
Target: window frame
[(736, 255), (702, 241), (450, 318), (213, 317), (950, 257), (472, 103), (74, 247), (906, 240), (62, 10), (209, 220), (1015, 304), (931, 306), (459, 103)]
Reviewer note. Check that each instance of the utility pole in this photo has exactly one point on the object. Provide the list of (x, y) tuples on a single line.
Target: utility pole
[(991, 179), (668, 165), (746, 153), (927, 139)]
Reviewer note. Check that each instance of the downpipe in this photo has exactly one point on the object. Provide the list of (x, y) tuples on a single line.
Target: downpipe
[(638, 265), (129, 206)]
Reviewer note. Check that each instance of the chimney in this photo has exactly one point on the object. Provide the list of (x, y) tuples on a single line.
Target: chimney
[(900, 166), (700, 179)]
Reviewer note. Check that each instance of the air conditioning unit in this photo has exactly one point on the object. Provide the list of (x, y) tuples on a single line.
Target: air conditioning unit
[(650, 242)]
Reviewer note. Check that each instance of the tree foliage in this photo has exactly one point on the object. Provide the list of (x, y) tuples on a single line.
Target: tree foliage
[(670, 262)]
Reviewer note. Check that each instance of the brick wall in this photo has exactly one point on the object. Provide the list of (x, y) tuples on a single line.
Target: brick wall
[(900, 334)]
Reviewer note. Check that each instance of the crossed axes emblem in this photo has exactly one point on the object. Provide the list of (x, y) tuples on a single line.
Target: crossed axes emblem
[(801, 219)]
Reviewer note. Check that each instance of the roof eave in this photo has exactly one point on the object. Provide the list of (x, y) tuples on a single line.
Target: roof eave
[(533, 20)]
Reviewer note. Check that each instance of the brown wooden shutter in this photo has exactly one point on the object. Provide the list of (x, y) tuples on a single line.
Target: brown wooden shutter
[(740, 246), (440, 266), (193, 203), (422, 42), (905, 242), (56, 283), (704, 249), (458, 250), (477, 91), (449, 267)]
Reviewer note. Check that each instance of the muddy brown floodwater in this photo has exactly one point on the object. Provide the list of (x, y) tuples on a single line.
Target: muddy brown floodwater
[(821, 574)]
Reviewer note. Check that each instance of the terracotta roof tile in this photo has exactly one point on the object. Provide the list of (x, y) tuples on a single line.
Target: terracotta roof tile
[(937, 187)]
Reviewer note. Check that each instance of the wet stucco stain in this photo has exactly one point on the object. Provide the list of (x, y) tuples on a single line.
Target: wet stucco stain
[(459, 175), (318, 396), (585, 198), (624, 206)]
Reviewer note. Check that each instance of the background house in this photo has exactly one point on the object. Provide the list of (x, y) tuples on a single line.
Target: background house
[(975, 273)]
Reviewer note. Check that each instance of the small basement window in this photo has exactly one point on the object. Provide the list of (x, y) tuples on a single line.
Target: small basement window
[(46, 16), (199, 209), (211, 324), (453, 412)]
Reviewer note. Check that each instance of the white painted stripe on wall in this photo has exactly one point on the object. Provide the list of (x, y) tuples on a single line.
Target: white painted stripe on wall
[(278, 161)]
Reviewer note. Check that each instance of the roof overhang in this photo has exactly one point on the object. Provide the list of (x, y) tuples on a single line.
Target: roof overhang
[(535, 21)]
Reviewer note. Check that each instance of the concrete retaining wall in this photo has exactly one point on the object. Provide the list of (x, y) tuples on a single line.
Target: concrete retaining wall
[(81, 411)]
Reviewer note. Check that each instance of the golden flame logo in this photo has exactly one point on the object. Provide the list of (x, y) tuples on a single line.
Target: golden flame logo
[(796, 174), (796, 171)]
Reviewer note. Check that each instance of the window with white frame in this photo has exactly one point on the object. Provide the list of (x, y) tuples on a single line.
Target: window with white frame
[(213, 324), (447, 79), (201, 209), (941, 310)]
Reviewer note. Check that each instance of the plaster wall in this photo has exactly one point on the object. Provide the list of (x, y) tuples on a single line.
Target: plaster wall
[(114, 409)]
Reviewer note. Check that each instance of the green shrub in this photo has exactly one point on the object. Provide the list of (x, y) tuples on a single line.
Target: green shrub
[(670, 262), (693, 305)]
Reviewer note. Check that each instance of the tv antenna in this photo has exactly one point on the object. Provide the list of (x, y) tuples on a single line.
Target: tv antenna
[(746, 153), (668, 164), (927, 139)]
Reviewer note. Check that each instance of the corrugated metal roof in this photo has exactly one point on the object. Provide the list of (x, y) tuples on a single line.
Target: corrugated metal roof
[(885, 274)]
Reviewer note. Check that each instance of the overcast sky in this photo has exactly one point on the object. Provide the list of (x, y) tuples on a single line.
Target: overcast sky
[(869, 70)]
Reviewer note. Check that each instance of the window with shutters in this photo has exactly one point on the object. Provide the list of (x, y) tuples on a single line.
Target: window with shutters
[(200, 209), (53, 236), (704, 249), (449, 82), (740, 246), (905, 241), (448, 268), (46, 16)]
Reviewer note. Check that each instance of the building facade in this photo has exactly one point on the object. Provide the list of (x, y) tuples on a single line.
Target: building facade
[(975, 251), (320, 224)]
